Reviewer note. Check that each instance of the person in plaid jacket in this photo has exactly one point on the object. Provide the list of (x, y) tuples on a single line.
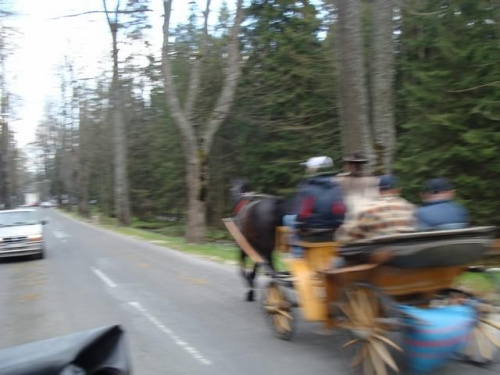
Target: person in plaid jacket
[(385, 215)]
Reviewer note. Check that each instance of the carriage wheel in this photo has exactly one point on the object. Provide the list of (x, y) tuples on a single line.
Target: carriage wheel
[(361, 312), (278, 310), (484, 339)]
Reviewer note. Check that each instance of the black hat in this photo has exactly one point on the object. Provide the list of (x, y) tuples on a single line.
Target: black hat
[(355, 157), (438, 185)]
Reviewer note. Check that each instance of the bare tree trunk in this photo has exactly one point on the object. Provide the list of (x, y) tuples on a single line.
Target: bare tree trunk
[(121, 199), (197, 147), (83, 163), (122, 204), (353, 93), (5, 164), (382, 82)]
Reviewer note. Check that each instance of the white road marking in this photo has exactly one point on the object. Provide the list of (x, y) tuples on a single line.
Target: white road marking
[(177, 340), (60, 234), (104, 278)]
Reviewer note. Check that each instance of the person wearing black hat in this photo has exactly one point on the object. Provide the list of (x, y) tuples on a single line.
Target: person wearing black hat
[(353, 164), (357, 187), (439, 211), (388, 214)]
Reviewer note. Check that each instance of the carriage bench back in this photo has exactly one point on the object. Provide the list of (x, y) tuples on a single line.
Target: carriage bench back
[(432, 249), (421, 263)]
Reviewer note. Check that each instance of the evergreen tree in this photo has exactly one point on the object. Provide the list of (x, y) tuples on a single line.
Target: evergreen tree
[(449, 101), (286, 108)]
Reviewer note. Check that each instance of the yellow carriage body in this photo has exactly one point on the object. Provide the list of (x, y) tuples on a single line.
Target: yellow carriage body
[(318, 284)]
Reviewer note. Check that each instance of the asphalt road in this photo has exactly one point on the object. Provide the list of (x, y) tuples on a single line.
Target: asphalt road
[(181, 314)]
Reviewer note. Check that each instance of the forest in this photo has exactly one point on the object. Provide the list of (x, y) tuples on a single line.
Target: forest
[(414, 84)]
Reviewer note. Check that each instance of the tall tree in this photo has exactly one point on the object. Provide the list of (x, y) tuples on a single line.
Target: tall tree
[(353, 91), (6, 151), (198, 136), (286, 109), (122, 204), (5, 154), (135, 10), (449, 99), (69, 123), (382, 74), (84, 157)]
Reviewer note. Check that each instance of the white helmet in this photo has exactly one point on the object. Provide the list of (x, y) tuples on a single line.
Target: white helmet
[(318, 162)]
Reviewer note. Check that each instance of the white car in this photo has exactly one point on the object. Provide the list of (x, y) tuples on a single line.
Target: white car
[(21, 234)]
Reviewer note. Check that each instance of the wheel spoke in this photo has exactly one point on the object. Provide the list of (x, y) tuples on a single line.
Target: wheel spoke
[(359, 356), (272, 295), (483, 345), (485, 330), (279, 311), (284, 314), (349, 343), (357, 311), (346, 309), (365, 305), (388, 342), (377, 361), (490, 323), (286, 324), (384, 354), (367, 364), (277, 323)]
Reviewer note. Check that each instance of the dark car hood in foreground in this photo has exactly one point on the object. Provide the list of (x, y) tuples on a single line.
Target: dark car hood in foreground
[(101, 351)]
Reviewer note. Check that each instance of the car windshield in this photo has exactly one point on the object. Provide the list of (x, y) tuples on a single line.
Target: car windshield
[(8, 219)]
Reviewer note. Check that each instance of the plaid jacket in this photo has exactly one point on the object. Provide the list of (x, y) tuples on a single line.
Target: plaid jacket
[(383, 216)]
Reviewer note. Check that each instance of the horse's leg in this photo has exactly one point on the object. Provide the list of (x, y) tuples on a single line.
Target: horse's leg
[(251, 283), (248, 276)]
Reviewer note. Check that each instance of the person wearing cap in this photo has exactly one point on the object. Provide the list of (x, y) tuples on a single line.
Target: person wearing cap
[(439, 211), (385, 215), (318, 204)]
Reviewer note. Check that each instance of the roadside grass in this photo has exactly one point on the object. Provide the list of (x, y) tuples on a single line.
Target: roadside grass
[(479, 283), (222, 252)]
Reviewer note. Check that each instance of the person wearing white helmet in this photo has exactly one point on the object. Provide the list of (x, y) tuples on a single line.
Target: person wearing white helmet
[(318, 204)]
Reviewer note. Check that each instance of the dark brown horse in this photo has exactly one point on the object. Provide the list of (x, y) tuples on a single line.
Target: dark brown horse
[(257, 217)]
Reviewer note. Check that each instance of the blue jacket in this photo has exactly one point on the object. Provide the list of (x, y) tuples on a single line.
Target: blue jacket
[(442, 214), (320, 203)]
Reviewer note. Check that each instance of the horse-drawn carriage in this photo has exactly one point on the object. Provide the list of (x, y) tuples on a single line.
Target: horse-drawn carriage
[(395, 283)]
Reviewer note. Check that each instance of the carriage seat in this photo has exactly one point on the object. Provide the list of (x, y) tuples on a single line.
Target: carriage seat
[(442, 248)]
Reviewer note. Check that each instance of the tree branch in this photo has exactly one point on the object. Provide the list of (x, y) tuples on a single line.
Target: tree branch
[(226, 97), (100, 11), (194, 79), (400, 4), (107, 14), (176, 111), (496, 83), (117, 9)]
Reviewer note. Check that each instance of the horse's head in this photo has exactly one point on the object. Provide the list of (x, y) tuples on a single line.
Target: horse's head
[(239, 186)]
